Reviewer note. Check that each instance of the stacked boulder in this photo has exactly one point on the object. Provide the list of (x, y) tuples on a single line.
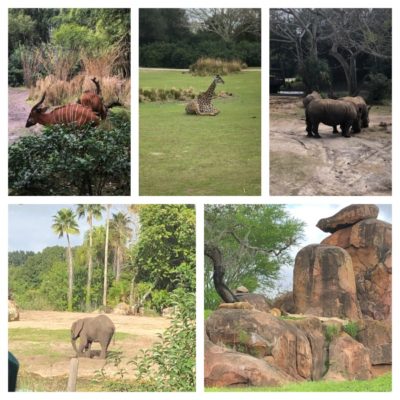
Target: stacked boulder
[(335, 282)]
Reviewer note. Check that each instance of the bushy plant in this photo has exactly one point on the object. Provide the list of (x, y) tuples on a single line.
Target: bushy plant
[(379, 88), (316, 74), (352, 329), (211, 66), (330, 332), (170, 364), (65, 160)]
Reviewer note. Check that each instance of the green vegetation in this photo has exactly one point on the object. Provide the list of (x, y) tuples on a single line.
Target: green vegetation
[(207, 313), (254, 241), (182, 154), (211, 66), (352, 329), (330, 332), (67, 161), (380, 384), (177, 38)]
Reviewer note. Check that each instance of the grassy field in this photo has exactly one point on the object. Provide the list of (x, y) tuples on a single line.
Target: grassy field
[(189, 155), (380, 384)]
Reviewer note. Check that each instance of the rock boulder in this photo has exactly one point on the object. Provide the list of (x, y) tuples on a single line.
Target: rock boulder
[(324, 284), (13, 311), (348, 216)]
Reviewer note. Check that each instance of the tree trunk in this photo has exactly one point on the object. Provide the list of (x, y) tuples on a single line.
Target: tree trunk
[(70, 276), (105, 283), (90, 265), (118, 265), (349, 69), (222, 289)]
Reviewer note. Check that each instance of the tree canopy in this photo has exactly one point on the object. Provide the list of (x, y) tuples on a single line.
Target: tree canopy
[(250, 243)]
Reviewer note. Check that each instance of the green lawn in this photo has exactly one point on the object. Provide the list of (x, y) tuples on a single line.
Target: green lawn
[(381, 384), (189, 155)]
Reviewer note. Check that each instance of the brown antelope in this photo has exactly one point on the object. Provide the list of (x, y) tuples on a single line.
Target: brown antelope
[(94, 100), (68, 114)]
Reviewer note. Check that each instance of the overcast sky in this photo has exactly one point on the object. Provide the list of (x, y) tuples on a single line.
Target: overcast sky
[(29, 226)]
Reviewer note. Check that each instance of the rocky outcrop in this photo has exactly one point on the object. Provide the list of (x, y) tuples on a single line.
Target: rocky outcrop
[(369, 244), (348, 216), (13, 311), (348, 359), (258, 301), (376, 336), (227, 368), (122, 309), (265, 337), (285, 303), (323, 283)]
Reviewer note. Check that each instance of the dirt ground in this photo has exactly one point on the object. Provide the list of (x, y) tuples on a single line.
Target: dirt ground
[(52, 364), (330, 166), (18, 112)]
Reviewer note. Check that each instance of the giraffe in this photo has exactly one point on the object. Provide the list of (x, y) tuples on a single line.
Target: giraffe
[(202, 105)]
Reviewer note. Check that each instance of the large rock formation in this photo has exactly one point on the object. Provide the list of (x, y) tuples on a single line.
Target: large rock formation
[(376, 336), (348, 216), (323, 283), (266, 337), (348, 359), (369, 244), (228, 368), (258, 301)]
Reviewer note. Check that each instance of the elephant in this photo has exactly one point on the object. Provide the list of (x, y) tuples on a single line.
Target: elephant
[(97, 329), (332, 112)]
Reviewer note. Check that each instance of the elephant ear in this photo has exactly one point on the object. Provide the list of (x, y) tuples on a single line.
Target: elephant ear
[(77, 328)]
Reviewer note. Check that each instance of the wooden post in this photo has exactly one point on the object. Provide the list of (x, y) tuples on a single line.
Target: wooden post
[(73, 374)]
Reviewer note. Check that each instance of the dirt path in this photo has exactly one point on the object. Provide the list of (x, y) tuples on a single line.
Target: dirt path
[(333, 165), (18, 112), (53, 360)]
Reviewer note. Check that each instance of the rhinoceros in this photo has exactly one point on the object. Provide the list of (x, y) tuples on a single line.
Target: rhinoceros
[(332, 112)]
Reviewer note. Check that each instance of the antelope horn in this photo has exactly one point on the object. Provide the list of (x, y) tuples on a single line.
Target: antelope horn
[(40, 102)]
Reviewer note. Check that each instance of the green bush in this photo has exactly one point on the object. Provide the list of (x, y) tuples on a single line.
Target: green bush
[(15, 71), (170, 364), (330, 332), (379, 88), (315, 74), (160, 299), (65, 160), (211, 66), (352, 329)]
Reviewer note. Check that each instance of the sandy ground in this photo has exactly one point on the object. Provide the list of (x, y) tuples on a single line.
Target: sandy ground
[(18, 112), (332, 165), (145, 330)]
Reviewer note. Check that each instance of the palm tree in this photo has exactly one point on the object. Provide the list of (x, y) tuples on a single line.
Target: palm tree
[(105, 283), (64, 223), (91, 211), (120, 232)]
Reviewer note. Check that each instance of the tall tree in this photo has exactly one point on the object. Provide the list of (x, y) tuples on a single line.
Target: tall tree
[(247, 245), (90, 211), (64, 223), (120, 232), (105, 283)]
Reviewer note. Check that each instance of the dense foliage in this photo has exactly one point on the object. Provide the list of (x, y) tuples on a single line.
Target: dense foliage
[(153, 247), (332, 48), (175, 38), (254, 241), (66, 161), (92, 31)]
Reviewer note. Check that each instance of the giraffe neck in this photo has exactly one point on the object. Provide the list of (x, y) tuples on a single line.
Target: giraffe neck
[(210, 91)]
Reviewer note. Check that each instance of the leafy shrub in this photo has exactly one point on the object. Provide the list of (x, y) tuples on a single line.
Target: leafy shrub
[(160, 299), (316, 74), (212, 66), (170, 364), (172, 94), (379, 88), (65, 160), (330, 332), (352, 329), (15, 71)]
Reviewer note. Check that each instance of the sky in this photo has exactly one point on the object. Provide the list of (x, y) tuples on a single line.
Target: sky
[(311, 214), (29, 226)]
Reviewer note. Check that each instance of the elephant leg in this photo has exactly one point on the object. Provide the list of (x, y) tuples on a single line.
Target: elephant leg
[(104, 347)]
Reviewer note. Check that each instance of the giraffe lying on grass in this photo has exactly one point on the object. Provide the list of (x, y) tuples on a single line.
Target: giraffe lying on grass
[(202, 105)]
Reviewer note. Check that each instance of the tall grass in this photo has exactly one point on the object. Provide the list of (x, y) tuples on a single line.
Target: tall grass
[(208, 66)]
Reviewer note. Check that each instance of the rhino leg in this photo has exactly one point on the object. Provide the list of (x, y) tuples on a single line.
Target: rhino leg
[(345, 130), (335, 129), (315, 130)]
